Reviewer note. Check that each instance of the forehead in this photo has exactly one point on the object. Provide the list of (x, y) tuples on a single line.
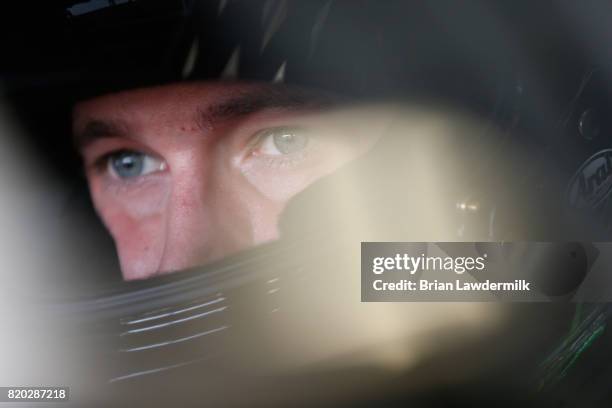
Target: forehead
[(168, 102)]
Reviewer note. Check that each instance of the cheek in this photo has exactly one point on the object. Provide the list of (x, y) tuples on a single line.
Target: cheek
[(135, 219), (263, 213), (140, 244), (278, 186), (243, 211), (279, 182)]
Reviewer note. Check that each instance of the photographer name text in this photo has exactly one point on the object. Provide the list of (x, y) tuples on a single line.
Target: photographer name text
[(410, 265)]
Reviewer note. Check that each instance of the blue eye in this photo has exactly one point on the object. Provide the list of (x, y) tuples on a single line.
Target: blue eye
[(283, 141), (128, 164)]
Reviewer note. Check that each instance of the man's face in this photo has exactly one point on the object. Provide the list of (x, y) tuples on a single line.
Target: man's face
[(188, 173)]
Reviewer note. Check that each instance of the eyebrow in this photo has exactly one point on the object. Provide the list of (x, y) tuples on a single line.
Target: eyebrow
[(99, 129), (244, 103), (258, 99)]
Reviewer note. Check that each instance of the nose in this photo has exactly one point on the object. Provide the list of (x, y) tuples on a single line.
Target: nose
[(210, 212)]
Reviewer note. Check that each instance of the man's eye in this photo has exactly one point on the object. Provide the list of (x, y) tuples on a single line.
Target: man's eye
[(283, 141), (129, 164)]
